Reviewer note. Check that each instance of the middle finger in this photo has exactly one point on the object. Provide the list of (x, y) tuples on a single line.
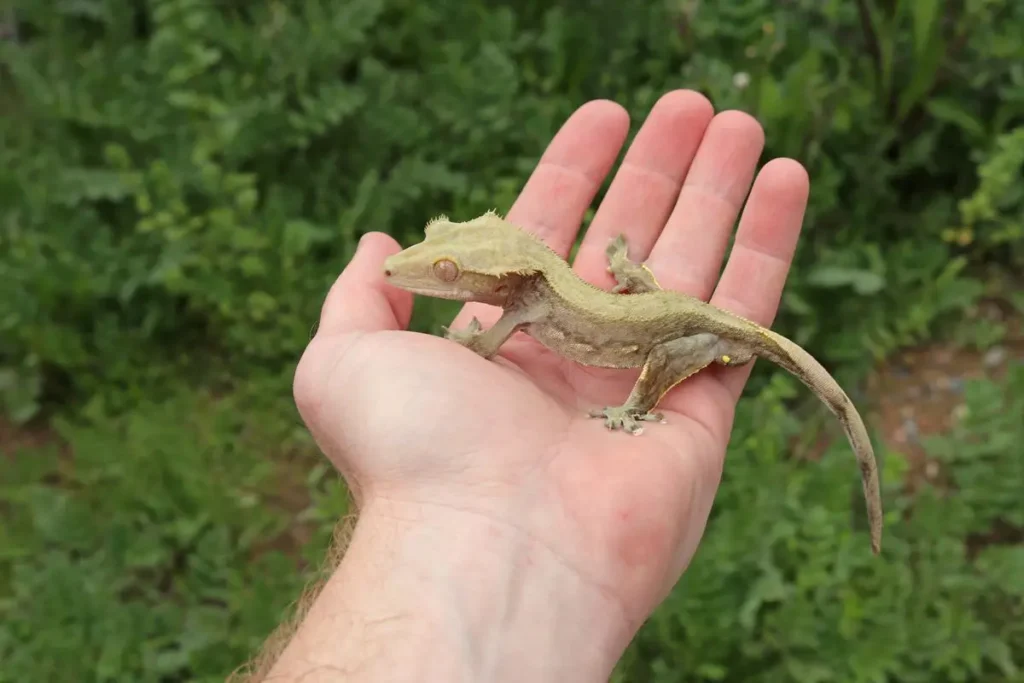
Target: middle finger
[(646, 186)]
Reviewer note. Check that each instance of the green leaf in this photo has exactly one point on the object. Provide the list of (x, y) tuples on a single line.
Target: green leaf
[(862, 281), (300, 236), (925, 25), (956, 113)]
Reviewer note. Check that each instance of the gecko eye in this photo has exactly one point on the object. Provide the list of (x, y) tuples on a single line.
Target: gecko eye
[(446, 270)]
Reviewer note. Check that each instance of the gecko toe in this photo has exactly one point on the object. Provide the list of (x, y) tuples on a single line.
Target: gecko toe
[(466, 335), (627, 419)]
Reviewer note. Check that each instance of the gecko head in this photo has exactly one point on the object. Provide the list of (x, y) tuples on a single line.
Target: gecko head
[(484, 259)]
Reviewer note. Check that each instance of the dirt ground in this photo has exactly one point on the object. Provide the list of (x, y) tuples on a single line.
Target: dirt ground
[(918, 392)]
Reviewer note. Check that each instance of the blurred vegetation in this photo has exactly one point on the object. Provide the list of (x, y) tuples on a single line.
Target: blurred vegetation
[(181, 181)]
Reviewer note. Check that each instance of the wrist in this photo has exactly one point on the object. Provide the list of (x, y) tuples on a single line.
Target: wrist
[(436, 593)]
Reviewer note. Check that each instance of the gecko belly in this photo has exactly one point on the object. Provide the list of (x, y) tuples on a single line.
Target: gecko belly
[(589, 349)]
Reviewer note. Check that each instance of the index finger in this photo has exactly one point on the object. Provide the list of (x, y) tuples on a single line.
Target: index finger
[(566, 180), (570, 172)]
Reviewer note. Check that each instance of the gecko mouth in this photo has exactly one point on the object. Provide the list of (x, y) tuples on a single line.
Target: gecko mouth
[(458, 295), (418, 288)]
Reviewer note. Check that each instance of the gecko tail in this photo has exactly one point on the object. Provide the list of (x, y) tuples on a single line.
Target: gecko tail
[(810, 372)]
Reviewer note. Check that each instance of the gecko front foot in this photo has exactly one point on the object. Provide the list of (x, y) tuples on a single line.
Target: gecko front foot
[(465, 336), (626, 419), (475, 338)]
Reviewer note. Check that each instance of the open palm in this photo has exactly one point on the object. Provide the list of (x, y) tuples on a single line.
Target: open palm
[(419, 419)]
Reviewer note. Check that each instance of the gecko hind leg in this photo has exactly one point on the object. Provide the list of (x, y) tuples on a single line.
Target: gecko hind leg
[(667, 365), (629, 275)]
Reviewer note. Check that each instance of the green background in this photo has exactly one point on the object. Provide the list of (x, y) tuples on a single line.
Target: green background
[(181, 181)]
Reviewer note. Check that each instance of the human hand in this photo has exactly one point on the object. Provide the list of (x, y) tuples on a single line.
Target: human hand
[(418, 422)]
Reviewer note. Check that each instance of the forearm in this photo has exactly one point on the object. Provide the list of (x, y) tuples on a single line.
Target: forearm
[(431, 593)]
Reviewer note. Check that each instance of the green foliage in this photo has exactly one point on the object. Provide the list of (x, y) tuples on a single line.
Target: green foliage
[(784, 588), (164, 563), (182, 180), (181, 174), (985, 454), (159, 551), (996, 208)]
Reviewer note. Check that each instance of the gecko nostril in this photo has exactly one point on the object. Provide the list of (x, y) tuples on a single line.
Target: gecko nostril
[(387, 272)]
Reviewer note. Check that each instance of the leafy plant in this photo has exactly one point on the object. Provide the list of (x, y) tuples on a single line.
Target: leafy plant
[(995, 210), (784, 587), (182, 180), (182, 174), (156, 547)]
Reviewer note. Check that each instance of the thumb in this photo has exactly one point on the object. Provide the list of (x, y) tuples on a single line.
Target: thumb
[(360, 300)]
